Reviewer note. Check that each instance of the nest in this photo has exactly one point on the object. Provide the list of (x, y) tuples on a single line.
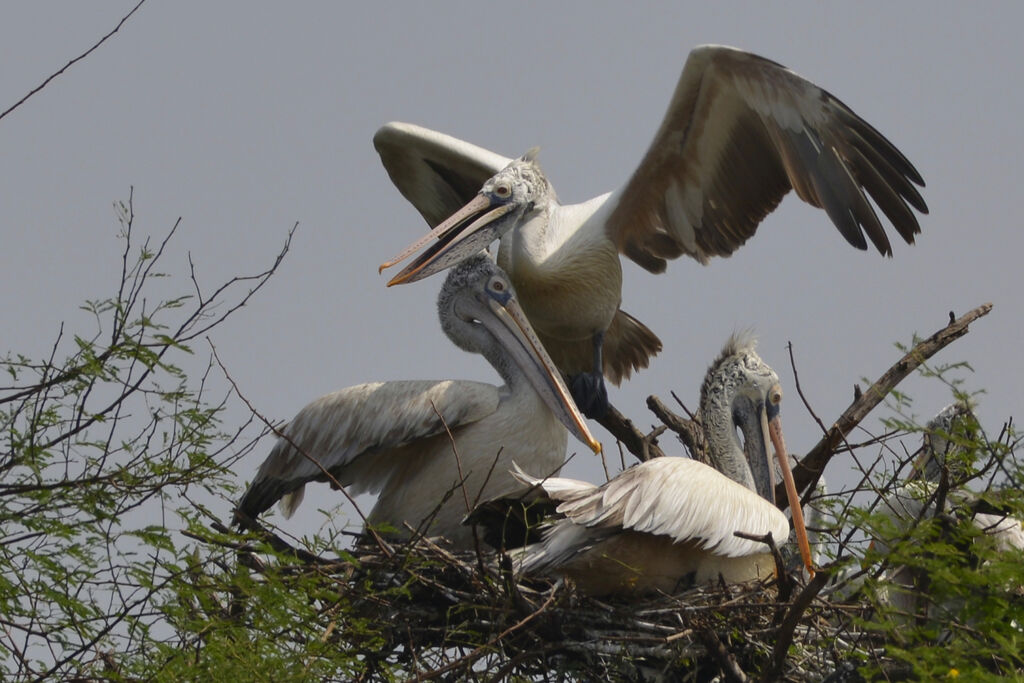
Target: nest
[(420, 611), (438, 614)]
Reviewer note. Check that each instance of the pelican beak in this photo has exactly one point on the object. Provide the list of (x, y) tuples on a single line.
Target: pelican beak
[(452, 241), (755, 446), (775, 431), (513, 330)]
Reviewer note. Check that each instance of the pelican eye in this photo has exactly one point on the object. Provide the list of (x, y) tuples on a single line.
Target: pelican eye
[(774, 400), (502, 190), (499, 289)]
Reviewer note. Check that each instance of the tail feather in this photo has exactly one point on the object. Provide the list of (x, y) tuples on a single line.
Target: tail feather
[(628, 346)]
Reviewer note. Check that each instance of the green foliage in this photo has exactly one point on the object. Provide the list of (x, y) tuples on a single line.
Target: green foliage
[(115, 449), (98, 450), (940, 587)]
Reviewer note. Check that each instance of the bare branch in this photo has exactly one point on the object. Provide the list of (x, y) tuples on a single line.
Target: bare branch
[(810, 467), (644, 447), (73, 61), (688, 430), (786, 630)]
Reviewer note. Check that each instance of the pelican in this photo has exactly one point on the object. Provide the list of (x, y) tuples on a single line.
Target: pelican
[(739, 133), (669, 519), (393, 437), (940, 449)]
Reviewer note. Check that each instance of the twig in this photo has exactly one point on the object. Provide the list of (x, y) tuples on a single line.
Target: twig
[(725, 659), (644, 447), (810, 467), (785, 581), (784, 637), (76, 59)]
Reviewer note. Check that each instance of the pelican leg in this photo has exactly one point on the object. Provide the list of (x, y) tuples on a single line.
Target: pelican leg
[(588, 389)]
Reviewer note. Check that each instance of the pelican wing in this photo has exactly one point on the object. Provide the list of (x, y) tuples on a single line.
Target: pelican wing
[(354, 434), (437, 173), (558, 489), (675, 497), (740, 132), (1008, 532)]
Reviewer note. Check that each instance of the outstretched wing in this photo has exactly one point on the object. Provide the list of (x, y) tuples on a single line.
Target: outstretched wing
[(354, 433), (437, 173), (739, 133)]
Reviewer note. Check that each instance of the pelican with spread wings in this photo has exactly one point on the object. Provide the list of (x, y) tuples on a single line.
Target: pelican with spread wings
[(740, 132)]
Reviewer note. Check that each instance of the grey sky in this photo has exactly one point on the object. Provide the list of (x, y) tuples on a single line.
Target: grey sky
[(243, 118)]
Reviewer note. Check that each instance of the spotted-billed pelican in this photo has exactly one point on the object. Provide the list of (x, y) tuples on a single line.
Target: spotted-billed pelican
[(739, 133), (941, 449), (668, 520), (392, 437)]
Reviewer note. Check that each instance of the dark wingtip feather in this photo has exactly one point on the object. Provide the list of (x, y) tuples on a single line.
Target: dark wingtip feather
[(879, 142)]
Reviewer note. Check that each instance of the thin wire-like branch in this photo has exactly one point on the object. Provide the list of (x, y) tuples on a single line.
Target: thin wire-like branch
[(252, 524), (73, 61)]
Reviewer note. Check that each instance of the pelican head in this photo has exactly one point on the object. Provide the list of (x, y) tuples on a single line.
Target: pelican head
[(479, 313), (943, 435), (509, 198), (741, 395)]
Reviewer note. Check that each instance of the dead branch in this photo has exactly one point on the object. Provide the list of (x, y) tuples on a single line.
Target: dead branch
[(643, 446), (725, 659), (688, 430), (784, 637), (807, 472)]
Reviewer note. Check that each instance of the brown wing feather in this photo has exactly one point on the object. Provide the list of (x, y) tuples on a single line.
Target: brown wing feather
[(739, 133), (628, 345)]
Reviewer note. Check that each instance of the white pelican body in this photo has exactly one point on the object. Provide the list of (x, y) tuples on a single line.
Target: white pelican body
[(655, 526), (670, 520), (739, 133), (391, 437)]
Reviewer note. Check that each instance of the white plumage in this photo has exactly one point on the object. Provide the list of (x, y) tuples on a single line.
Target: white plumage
[(915, 501), (391, 437), (670, 519), (740, 132)]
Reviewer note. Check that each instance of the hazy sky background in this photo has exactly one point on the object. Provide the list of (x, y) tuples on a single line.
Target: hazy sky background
[(243, 118)]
